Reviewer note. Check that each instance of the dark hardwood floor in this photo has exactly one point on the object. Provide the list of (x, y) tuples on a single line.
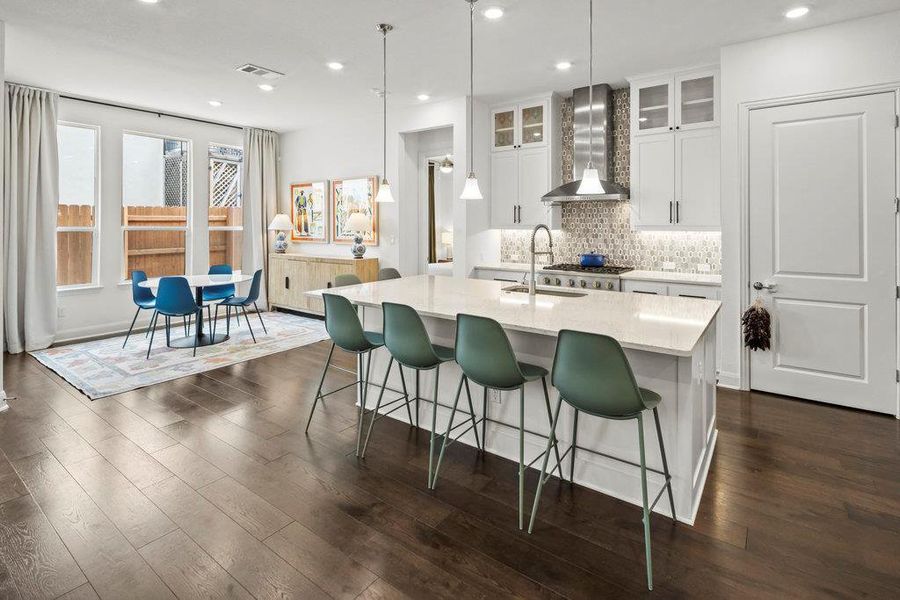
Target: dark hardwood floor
[(207, 487)]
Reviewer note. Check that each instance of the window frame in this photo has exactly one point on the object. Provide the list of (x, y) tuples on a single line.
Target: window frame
[(95, 228), (240, 192), (189, 217)]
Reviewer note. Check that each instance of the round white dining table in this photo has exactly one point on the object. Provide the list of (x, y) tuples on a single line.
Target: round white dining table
[(198, 282)]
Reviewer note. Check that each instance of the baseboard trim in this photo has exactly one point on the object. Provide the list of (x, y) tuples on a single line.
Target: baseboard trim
[(729, 380), (4, 406)]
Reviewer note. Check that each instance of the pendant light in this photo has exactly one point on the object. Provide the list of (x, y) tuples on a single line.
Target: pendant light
[(384, 189), (590, 180), (471, 191)]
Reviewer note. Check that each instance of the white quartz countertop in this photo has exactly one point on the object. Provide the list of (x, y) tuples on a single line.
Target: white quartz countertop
[(662, 324), (636, 275)]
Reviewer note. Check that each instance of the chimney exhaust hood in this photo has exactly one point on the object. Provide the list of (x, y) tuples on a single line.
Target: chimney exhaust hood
[(602, 144)]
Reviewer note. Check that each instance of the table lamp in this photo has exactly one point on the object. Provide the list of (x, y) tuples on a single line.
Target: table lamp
[(447, 240), (359, 225), (281, 223)]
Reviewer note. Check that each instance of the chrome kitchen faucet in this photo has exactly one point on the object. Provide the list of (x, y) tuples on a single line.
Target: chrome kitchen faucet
[(531, 284)]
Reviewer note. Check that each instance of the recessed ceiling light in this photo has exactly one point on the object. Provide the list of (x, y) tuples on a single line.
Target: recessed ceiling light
[(215, 103), (335, 66), (423, 97), (563, 65), (494, 12), (796, 13), (266, 87), (149, 1)]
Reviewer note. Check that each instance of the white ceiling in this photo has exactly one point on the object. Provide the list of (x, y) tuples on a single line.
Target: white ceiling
[(178, 54)]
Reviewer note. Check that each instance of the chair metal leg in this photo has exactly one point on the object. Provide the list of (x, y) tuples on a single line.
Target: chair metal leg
[(521, 457), (574, 448), (550, 419), (437, 467), (319, 389), (484, 416), (377, 406), (215, 322), (259, 314), (550, 442), (248, 324), (646, 508), (133, 321), (472, 416), (152, 317), (405, 394), (168, 333), (152, 333), (227, 320), (434, 409), (662, 451), (186, 322), (417, 402)]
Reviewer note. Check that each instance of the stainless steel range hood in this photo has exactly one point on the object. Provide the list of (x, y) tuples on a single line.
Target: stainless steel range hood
[(602, 145)]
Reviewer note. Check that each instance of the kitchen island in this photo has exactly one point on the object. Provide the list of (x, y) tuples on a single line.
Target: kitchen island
[(669, 341)]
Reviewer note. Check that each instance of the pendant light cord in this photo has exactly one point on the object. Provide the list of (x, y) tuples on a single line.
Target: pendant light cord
[(471, 86), (384, 104), (591, 84)]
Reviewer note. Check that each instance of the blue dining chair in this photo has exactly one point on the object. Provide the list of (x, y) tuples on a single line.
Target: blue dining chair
[(174, 299), (142, 297), (214, 293), (237, 302)]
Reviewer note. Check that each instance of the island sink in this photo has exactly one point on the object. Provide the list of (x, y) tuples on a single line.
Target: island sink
[(539, 291)]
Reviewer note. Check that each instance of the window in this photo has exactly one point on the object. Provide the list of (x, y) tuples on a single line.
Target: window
[(76, 213), (156, 184), (226, 223)]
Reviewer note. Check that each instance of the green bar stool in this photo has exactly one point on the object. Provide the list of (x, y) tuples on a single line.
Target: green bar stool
[(346, 332), (592, 375), (485, 356), (345, 279), (407, 340)]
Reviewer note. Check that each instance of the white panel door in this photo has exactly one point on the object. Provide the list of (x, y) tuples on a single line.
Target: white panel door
[(697, 179), (653, 180), (504, 188), (822, 232), (534, 182)]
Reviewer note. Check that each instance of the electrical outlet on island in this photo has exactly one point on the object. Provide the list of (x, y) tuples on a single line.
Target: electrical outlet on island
[(494, 396)]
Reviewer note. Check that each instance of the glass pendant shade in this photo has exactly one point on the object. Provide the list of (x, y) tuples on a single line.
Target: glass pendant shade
[(384, 192), (590, 182), (471, 191)]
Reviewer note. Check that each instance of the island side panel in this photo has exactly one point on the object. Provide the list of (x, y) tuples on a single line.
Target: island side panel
[(687, 415)]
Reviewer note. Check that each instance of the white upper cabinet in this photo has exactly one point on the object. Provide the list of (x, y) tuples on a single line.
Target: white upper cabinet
[(521, 125), (675, 151), (525, 163)]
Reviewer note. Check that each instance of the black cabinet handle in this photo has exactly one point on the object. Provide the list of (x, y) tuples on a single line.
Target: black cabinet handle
[(678, 211), (691, 296), (648, 293), (678, 127), (670, 212), (287, 283)]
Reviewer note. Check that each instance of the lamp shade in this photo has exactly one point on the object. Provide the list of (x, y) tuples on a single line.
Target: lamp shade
[(281, 222), (447, 238), (471, 191), (359, 223), (590, 182), (384, 192)]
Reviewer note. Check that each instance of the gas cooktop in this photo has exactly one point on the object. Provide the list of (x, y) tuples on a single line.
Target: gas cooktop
[(575, 268)]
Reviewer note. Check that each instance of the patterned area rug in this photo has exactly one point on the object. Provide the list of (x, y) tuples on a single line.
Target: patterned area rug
[(102, 368)]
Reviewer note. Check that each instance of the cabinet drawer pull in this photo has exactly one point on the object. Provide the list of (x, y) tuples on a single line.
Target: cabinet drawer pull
[(643, 292), (692, 296), (287, 283), (670, 211), (678, 211)]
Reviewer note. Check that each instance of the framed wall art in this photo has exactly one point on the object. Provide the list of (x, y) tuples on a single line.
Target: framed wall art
[(309, 202), (350, 196)]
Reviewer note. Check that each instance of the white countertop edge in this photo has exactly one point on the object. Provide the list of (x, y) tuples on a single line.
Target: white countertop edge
[(636, 275)]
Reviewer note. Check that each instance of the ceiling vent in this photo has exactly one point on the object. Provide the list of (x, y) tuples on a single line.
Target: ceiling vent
[(259, 71)]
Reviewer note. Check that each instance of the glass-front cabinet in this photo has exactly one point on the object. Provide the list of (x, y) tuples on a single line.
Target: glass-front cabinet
[(520, 126), (675, 102)]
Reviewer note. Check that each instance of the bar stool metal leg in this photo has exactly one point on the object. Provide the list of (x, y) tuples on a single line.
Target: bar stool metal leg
[(434, 409), (437, 467), (574, 447), (646, 519), (417, 403), (363, 395), (551, 441), (377, 406), (319, 389), (484, 417), (550, 416), (662, 451), (405, 394), (522, 457), (472, 416)]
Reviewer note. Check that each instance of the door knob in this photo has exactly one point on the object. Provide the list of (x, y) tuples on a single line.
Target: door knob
[(759, 285)]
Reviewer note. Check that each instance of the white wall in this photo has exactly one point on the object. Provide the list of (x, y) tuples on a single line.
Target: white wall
[(353, 148), (844, 56), (430, 144), (108, 308), (3, 405)]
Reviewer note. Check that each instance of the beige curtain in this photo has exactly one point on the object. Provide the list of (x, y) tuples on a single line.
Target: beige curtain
[(260, 197), (31, 195)]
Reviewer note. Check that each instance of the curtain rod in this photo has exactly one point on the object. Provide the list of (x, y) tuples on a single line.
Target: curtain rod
[(149, 111), (158, 113)]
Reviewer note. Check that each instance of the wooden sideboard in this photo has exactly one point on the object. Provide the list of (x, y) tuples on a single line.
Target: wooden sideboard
[(291, 275)]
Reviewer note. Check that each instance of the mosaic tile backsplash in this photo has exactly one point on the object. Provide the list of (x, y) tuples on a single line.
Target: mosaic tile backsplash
[(606, 226)]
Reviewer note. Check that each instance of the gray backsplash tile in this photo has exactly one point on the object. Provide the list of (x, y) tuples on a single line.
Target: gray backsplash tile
[(606, 226)]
